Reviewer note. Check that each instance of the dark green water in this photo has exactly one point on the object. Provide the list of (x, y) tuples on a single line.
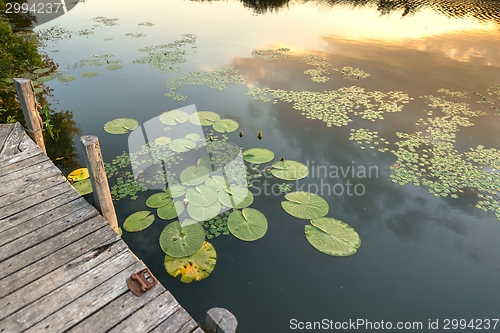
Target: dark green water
[(422, 258)]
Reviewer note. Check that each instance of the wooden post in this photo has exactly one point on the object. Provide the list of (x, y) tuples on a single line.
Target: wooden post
[(26, 97), (220, 320), (102, 194)]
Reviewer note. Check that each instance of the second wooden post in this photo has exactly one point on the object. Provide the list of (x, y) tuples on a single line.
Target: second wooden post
[(95, 165)]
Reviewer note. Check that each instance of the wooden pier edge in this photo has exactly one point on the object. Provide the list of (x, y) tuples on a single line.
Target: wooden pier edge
[(71, 274)]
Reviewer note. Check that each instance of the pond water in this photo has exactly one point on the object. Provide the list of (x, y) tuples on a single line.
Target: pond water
[(422, 257)]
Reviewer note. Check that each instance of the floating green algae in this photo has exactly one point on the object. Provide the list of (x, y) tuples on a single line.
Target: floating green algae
[(365, 137), (105, 21), (136, 35), (272, 54), (218, 79), (353, 73), (163, 57), (333, 107), (317, 74), (492, 97)]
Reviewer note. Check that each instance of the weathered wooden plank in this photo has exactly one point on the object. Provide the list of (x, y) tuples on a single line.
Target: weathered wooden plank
[(47, 231), (50, 303), (178, 322), (116, 311), (27, 181), (11, 143), (52, 280), (149, 316), (47, 255), (24, 166), (18, 231), (22, 192), (28, 149), (34, 199), (42, 208), (39, 204), (89, 303), (5, 130)]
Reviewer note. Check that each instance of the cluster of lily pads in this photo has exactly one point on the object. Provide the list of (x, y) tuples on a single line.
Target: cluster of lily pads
[(326, 234), (281, 52), (333, 107), (218, 78), (163, 57), (203, 204)]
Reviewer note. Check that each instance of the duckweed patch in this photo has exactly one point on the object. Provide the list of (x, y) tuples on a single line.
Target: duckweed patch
[(492, 97), (366, 138), (218, 79), (333, 107), (163, 57), (317, 74), (135, 35), (272, 54)]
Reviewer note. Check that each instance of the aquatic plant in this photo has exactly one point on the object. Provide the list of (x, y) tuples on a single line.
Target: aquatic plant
[(352, 73), (289, 170), (317, 74), (216, 226), (365, 137), (281, 52), (492, 97), (305, 205), (195, 267), (247, 224), (284, 188), (162, 57), (218, 78), (258, 155), (332, 237), (135, 35), (333, 107), (138, 221), (179, 241), (120, 125)]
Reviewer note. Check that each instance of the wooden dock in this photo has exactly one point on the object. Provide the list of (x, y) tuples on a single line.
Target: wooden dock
[(62, 267)]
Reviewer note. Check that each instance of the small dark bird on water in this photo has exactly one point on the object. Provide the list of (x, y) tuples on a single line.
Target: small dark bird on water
[(260, 135), (241, 134)]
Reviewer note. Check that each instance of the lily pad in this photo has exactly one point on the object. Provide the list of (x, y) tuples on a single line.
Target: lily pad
[(195, 267), (226, 126), (193, 137), (178, 241), (176, 191), (41, 70), (121, 125), (114, 67), (236, 197), (194, 175), (78, 174), (158, 200), (217, 182), (90, 74), (66, 78), (206, 162), (201, 195), (204, 118), (170, 210), (305, 205), (46, 78), (258, 155), (182, 145), (83, 187), (289, 170), (163, 140), (138, 221), (248, 224), (174, 117), (37, 90), (204, 213), (332, 236)]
